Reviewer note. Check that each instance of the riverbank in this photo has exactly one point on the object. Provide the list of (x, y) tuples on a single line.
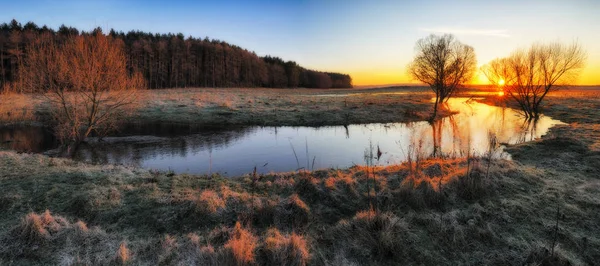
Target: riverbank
[(253, 106), (429, 212)]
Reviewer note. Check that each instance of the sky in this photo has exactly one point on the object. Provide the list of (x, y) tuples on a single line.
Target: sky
[(373, 41)]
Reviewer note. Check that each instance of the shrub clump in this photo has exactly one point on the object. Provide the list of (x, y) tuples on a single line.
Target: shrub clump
[(37, 228), (372, 236), (40, 237), (123, 255), (283, 249), (473, 185), (241, 245), (210, 202), (292, 212)]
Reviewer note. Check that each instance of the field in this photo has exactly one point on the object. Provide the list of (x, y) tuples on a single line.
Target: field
[(542, 207), (254, 106)]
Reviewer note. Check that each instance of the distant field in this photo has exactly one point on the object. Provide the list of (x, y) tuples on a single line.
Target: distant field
[(273, 107), (252, 106)]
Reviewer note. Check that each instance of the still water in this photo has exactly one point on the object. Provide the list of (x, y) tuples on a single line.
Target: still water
[(236, 151)]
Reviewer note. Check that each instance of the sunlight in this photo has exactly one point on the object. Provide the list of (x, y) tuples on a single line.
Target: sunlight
[(501, 83), (501, 93)]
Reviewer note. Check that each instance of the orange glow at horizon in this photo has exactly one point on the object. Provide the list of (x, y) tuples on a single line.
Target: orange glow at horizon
[(589, 76)]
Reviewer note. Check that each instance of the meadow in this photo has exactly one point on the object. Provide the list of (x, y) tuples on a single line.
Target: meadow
[(252, 106), (541, 207)]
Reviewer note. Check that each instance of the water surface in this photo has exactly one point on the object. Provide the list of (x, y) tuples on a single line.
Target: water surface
[(236, 151)]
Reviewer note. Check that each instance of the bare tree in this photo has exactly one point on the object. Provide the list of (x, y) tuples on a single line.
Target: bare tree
[(443, 63), (86, 82), (528, 75)]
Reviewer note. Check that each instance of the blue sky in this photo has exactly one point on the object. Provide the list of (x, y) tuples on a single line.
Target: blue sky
[(371, 40)]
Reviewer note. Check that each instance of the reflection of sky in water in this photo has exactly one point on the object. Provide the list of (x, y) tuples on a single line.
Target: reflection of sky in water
[(236, 152), (331, 146)]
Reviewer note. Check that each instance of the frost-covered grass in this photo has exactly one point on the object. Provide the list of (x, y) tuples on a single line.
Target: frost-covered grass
[(62, 211)]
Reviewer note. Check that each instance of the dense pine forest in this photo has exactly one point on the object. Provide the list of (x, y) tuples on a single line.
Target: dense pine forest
[(171, 60)]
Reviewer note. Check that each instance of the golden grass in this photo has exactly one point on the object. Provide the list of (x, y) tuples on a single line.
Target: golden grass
[(15, 108), (241, 245), (123, 254), (210, 202), (286, 249)]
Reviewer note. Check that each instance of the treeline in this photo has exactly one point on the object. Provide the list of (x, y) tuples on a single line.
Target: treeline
[(171, 60)]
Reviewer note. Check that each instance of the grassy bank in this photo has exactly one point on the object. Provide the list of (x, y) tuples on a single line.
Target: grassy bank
[(62, 211), (541, 208), (254, 106)]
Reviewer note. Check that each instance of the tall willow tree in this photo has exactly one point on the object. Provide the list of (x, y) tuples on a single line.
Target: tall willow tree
[(443, 63), (528, 75)]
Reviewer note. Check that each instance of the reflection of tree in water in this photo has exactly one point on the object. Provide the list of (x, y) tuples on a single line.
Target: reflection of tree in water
[(450, 127), (448, 137), (527, 130), (470, 130), (457, 139), (132, 150), (27, 138), (436, 130)]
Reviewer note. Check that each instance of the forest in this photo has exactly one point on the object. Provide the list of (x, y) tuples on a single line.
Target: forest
[(170, 60)]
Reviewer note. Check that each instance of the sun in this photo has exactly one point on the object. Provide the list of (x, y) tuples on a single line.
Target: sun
[(501, 82)]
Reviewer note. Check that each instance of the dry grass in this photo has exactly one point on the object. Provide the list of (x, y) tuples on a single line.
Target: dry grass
[(241, 245), (253, 106), (374, 237), (210, 202), (40, 236), (283, 249), (123, 254), (292, 212), (409, 224), (18, 108), (433, 214)]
